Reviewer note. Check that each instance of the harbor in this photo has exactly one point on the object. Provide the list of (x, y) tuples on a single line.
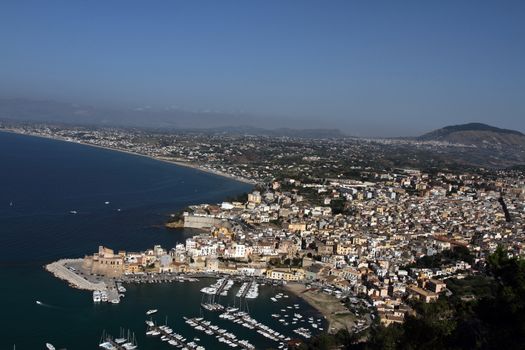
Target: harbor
[(232, 308), (249, 322), (222, 335), (125, 341), (166, 334)]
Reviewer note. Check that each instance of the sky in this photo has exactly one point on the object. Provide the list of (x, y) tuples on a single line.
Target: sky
[(369, 68)]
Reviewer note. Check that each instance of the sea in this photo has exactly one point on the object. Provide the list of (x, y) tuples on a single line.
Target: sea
[(122, 202)]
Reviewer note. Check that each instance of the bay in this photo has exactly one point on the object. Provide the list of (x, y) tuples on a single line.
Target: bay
[(41, 181)]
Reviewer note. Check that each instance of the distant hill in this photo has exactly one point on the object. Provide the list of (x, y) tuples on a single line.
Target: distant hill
[(476, 134), (170, 119)]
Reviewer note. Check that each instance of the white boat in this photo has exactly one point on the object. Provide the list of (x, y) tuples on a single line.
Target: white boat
[(152, 311), (96, 296), (50, 346), (73, 212), (107, 346)]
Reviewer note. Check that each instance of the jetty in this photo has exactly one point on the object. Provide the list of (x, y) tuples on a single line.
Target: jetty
[(69, 274)]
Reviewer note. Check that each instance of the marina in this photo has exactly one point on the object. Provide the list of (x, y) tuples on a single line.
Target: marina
[(123, 342), (248, 290), (222, 335), (246, 321), (166, 334)]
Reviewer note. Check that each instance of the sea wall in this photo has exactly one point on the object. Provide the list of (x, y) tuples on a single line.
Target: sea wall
[(59, 269), (200, 222)]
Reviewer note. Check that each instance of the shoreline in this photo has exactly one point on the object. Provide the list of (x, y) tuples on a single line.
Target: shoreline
[(337, 316), (60, 271), (160, 159)]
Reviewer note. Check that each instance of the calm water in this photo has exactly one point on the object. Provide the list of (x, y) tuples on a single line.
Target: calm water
[(41, 181)]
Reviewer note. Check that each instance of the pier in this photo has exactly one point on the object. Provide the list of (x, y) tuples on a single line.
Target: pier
[(245, 320), (221, 334), (218, 289), (174, 339), (155, 278), (61, 270)]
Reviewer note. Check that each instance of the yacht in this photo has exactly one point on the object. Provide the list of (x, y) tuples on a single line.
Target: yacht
[(152, 311), (96, 296), (107, 346), (50, 346)]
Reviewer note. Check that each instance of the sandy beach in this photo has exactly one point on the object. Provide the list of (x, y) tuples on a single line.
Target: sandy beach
[(160, 159), (336, 314)]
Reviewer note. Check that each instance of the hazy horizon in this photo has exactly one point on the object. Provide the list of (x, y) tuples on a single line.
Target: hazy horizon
[(380, 69)]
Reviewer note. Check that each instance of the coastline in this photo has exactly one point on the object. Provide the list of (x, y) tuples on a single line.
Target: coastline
[(60, 271), (160, 159), (337, 316)]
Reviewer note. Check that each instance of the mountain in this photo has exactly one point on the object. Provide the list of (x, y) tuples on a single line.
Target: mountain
[(28, 110), (477, 134)]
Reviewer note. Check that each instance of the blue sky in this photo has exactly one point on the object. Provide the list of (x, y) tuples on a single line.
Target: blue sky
[(367, 67)]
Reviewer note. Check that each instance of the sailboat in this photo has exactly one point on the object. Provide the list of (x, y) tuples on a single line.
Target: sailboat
[(131, 343), (121, 339)]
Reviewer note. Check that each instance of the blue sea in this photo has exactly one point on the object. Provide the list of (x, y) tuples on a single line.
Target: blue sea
[(41, 181)]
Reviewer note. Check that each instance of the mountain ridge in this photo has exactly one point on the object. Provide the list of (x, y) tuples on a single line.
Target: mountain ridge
[(477, 134)]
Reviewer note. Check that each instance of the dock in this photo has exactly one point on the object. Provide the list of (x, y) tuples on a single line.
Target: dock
[(166, 334), (222, 335), (246, 321), (107, 342), (155, 278), (60, 270)]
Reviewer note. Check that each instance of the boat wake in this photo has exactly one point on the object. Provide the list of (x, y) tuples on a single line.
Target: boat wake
[(38, 302)]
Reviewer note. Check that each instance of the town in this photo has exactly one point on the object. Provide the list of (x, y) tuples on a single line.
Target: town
[(358, 240), (372, 224)]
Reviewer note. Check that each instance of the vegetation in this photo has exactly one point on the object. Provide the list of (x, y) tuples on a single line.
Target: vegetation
[(495, 318), (445, 257)]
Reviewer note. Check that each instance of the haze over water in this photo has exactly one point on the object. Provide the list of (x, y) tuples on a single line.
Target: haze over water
[(42, 181)]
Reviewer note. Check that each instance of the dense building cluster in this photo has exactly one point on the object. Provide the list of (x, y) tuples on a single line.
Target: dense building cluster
[(362, 247), (346, 215)]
